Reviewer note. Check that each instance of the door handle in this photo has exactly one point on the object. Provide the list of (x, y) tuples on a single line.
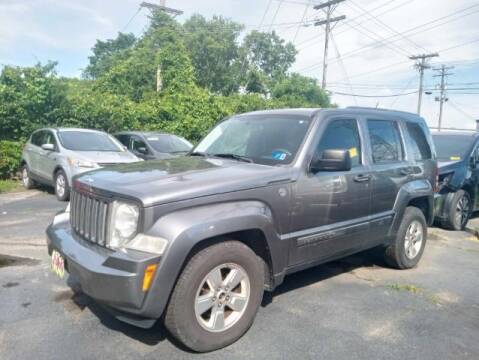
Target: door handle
[(407, 171), (362, 178)]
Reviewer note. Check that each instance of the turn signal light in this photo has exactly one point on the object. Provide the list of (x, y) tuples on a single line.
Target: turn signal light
[(148, 277)]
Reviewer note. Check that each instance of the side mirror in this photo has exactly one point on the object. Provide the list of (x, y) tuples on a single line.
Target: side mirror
[(48, 147), (332, 160)]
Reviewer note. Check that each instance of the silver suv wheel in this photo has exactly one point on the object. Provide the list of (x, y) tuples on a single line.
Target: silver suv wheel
[(413, 240), (25, 178), (222, 297), (60, 185)]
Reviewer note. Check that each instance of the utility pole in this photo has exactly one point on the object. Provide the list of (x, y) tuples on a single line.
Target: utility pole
[(421, 65), (442, 73), (328, 8), (173, 12)]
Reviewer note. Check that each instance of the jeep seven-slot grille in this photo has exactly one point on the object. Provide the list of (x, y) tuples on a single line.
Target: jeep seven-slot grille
[(89, 218)]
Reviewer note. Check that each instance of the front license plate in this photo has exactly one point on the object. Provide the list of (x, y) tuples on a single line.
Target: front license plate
[(58, 264)]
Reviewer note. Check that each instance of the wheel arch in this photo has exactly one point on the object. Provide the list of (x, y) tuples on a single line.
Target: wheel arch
[(191, 230), (418, 193)]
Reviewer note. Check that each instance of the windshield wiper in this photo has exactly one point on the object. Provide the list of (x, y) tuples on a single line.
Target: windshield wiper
[(198, 153), (234, 157)]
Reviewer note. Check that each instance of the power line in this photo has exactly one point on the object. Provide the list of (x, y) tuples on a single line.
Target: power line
[(461, 111), (275, 15), (443, 73), (306, 8), (422, 65), (343, 67), (390, 39), (131, 19), (360, 16), (328, 7), (373, 96)]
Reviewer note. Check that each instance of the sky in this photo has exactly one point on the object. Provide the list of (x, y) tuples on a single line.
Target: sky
[(368, 55)]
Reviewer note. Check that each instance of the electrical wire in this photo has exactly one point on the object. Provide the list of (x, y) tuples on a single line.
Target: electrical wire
[(131, 19), (404, 91), (343, 67), (390, 39), (306, 8), (373, 96)]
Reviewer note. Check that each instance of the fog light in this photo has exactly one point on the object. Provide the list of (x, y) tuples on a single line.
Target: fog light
[(148, 277)]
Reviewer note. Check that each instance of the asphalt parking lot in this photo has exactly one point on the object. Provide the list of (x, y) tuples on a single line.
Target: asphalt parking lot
[(355, 308)]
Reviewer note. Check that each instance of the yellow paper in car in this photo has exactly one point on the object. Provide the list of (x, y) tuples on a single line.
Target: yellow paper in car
[(353, 152), (455, 158)]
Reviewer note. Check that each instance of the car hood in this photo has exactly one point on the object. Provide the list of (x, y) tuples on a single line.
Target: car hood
[(106, 157), (180, 178)]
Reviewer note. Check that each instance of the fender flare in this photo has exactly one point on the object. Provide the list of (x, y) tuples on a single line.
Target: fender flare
[(184, 229), (412, 190)]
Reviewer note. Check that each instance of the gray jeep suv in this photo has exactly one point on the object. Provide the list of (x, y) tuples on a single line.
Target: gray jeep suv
[(196, 240), (53, 156)]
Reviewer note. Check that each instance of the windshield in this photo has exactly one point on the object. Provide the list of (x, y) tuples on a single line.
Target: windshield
[(168, 143), (263, 139), (88, 141), (452, 147)]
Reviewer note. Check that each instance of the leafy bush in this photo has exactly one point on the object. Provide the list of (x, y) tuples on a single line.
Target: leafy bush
[(10, 158)]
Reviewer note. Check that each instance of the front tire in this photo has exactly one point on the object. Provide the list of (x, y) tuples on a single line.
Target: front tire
[(459, 211), (27, 181), (216, 297), (62, 188), (410, 241)]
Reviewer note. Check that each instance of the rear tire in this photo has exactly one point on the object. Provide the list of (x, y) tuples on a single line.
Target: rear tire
[(206, 314), (410, 241), (27, 181), (459, 211), (62, 188)]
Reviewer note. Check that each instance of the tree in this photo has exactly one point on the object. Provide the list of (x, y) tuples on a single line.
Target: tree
[(297, 90), (269, 53), (30, 97), (107, 53), (213, 48)]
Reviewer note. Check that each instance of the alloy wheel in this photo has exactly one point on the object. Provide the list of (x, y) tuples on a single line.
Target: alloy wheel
[(25, 177), (222, 297), (414, 239), (462, 211), (60, 185)]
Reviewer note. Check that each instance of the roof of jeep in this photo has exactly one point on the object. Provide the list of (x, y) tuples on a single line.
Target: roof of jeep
[(308, 112), (471, 133)]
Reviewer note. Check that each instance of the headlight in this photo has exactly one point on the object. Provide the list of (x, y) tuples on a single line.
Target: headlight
[(81, 163), (149, 244), (124, 223)]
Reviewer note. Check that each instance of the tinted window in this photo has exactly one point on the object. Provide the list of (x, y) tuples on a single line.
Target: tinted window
[(452, 147), (385, 141), (418, 141), (37, 138), (137, 143), (88, 141), (265, 139), (168, 143), (342, 135), (124, 139)]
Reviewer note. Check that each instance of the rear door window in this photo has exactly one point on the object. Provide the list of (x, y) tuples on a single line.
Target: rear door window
[(418, 142), (386, 145)]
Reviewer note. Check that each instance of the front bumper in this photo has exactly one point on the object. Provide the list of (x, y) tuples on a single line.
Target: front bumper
[(113, 278)]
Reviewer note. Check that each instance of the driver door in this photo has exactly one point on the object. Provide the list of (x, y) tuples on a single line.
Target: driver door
[(331, 208)]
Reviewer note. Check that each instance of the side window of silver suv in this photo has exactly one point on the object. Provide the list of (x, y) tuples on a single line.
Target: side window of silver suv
[(37, 138)]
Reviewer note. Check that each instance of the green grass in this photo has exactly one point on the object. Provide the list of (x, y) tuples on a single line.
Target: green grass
[(9, 186)]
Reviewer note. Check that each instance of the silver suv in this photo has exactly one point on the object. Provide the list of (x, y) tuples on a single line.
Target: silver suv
[(54, 156)]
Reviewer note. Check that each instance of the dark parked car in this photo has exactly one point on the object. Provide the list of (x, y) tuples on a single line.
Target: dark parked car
[(154, 145), (195, 240), (457, 198)]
